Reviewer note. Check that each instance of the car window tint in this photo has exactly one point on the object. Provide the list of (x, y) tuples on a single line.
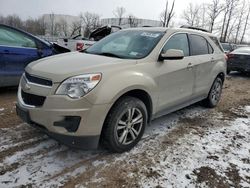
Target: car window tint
[(178, 42), (210, 48), (10, 37), (216, 41), (198, 45)]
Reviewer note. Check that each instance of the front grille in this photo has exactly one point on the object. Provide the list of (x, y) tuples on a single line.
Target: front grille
[(37, 80), (34, 100)]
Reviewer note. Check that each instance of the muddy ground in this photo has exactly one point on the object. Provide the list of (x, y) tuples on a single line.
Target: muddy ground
[(194, 147)]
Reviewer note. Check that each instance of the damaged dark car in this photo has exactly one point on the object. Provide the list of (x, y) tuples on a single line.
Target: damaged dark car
[(239, 60)]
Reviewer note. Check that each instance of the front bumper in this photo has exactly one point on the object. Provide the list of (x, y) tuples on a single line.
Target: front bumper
[(82, 142), (76, 123)]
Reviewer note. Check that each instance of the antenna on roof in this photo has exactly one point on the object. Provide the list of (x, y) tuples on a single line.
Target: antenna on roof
[(195, 28)]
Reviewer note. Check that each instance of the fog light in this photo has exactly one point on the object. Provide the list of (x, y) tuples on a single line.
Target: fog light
[(70, 123)]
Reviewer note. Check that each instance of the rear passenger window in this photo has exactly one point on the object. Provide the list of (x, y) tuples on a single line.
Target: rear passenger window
[(198, 45), (216, 41), (177, 42)]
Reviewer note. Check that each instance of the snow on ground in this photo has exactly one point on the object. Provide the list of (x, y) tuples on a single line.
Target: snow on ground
[(248, 109), (193, 155), (220, 153)]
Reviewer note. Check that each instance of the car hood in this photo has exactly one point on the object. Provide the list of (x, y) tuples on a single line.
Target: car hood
[(59, 67)]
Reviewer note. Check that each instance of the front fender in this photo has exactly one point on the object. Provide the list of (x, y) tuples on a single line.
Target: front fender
[(114, 85)]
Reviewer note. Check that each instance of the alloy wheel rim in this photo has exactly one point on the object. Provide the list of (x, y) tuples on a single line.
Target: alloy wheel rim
[(129, 126), (216, 92)]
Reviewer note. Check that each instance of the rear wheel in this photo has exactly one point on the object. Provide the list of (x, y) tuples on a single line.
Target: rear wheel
[(125, 124), (215, 93)]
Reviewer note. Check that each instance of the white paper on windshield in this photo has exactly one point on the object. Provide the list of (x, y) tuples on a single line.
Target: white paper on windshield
[(152, 35), (133, 53)]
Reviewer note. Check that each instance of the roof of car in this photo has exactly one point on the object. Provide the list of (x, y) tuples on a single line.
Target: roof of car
[(161, 29), (164, 29)]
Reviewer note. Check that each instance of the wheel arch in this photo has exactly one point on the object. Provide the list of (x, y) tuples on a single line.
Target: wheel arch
[(221, 75), (142, 95), (139, 94)]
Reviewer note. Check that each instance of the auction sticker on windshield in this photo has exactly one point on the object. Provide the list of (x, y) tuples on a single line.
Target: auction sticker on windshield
[(153, 35)]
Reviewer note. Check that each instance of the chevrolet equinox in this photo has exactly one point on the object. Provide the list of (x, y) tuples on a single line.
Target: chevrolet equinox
[(108, 93)]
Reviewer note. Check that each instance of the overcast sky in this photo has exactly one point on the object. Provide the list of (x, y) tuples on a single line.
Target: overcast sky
[(148, 9)]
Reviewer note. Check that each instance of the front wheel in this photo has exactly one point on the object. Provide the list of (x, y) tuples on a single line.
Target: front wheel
[(214, 94), (125, 124)]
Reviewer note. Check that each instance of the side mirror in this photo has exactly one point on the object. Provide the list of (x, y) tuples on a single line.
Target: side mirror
[(171, 54)]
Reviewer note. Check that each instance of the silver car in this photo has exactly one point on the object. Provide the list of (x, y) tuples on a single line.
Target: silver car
[(108, 93)]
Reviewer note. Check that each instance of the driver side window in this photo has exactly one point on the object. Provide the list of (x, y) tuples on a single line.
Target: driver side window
[(178, 42), (10, 37)]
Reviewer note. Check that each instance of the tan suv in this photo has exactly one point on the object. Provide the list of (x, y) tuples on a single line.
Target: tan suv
[(108, 93)]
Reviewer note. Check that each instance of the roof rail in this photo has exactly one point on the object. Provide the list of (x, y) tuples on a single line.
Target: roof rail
[(195, 28)]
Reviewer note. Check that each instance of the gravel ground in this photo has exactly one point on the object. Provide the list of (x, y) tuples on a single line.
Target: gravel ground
[(194, 147)]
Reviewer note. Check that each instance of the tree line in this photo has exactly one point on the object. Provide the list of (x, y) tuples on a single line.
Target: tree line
[(228, 19)]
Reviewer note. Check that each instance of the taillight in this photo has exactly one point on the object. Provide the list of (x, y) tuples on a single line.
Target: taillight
[(230, 55), (79, 46), (226, 57)]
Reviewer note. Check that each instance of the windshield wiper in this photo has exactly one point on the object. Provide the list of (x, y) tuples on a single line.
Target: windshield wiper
[(109, 54)]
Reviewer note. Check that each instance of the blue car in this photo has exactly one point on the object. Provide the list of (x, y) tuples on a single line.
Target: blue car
[(17, 49)]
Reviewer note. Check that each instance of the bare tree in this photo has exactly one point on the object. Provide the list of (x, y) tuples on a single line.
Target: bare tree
[(41, 28), (167, 14), (119, 13), (230, 6), (191, 14), (35, 26), (75, 28), (2, 19), (14, 20), (239, 25), (202, 19), (214, 9), (91, 21), (132, 21), (245, 25), (232, 31)]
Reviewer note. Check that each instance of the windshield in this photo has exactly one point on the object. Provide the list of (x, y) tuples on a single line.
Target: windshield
[(134, 44)]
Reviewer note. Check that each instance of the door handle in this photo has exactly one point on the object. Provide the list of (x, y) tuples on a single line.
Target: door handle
[(190, 66), (212, 60)]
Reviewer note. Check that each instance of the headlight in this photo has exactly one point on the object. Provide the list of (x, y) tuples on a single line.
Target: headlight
[(78, 86)]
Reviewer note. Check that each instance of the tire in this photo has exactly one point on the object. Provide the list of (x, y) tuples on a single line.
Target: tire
[(214, 94), (120, 134)]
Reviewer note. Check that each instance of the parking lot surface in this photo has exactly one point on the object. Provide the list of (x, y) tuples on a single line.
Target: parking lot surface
[(193, 147)]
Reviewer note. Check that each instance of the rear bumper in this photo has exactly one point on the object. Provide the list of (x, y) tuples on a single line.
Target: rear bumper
[(231, 66), (81, 142)]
